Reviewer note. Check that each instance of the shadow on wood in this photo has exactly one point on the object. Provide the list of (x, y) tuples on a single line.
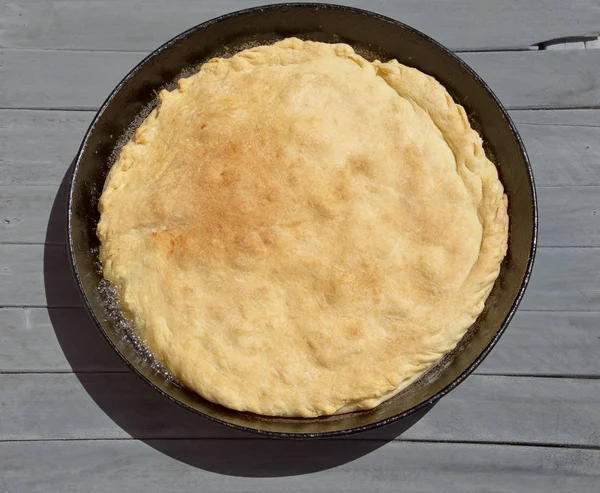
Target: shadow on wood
[(145, 415)]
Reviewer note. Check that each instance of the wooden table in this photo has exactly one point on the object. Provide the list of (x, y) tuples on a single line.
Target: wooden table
[(73, 418)]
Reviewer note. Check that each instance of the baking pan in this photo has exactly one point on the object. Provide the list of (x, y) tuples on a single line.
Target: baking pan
[(373, 36)]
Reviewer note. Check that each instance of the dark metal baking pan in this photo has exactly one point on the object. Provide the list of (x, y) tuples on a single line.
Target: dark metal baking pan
[(373, 36)]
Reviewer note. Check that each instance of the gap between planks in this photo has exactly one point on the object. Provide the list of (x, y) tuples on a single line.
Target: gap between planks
[(94, 109), (149, 52), (127, 372), (80, 307), (353, 437)]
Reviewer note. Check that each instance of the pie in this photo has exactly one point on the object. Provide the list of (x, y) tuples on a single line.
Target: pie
[(297, 231)]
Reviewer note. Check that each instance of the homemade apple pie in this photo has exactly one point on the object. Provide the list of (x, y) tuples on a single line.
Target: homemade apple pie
[(297, 231)]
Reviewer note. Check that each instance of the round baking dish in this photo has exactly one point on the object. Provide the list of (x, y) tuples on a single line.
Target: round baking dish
[(373, 36)]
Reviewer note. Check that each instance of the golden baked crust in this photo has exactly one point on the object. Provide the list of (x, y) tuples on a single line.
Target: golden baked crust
[(296, 231)]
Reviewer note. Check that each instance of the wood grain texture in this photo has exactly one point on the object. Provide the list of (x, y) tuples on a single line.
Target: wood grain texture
[(29, 341), (541, 79), (23, 270), (563, 278), (60, 79), (493, 409), (65, 340), (543, 343), (569, 216), (566, 118), (25, 214), (158, 466), (563, 146), (38, 146), (82, 80), (136, 25)]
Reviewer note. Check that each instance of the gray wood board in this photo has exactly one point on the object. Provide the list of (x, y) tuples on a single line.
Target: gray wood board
[(568, 215), (38, 146), (82, 80), (565, 118), (31, 339), (164, 465), (523, 410), (65, 340), (563, 279), (562, 153), (134, 25)]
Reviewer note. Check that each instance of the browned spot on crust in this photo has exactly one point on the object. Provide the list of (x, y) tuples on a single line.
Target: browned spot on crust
[(360, 165), (354, 331)]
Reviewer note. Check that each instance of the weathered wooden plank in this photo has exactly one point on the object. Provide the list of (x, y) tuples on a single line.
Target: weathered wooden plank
[(264, 466), (60, 79), (37, 147), (55, 340), (483, 409), (565, 118), (24, 270), (563, 155), (131, 25), (544, 343), (25, 214), (82, 80), (568, 215), (563, 279), (64, 340), (540, 79), (563, 146)]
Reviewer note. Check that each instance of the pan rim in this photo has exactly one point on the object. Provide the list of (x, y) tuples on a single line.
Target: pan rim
[(334, 433)]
